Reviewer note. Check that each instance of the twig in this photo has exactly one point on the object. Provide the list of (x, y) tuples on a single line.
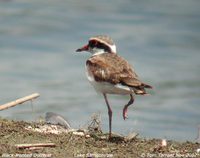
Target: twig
[(24, 146), (95, 123), (19, 101)]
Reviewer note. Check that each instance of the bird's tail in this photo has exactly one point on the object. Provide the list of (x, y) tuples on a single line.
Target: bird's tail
[(147, 86), (140, 90)]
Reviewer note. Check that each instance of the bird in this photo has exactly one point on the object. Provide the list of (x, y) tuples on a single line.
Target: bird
[(109, 73)]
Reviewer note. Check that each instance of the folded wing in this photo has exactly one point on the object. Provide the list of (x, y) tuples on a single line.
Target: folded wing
[(114, 69)]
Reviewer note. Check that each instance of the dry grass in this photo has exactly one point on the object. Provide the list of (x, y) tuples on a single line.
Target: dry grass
[(96, 145)]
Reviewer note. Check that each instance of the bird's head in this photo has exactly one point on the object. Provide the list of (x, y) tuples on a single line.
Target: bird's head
[(99, 44)]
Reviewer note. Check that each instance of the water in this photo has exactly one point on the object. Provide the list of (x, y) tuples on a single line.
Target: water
[(161, 39)]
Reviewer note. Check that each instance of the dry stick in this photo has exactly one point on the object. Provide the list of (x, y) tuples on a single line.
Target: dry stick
[(19, 101), (24, 146)]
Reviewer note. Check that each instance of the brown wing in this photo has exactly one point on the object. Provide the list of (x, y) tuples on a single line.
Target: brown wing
[(114, 69)]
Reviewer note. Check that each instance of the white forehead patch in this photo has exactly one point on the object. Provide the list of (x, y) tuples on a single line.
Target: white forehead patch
[(113, 48)]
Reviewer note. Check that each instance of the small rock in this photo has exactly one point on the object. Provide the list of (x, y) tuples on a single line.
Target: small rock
[(131, 136), (55, 119), (163, 142), (78, 133)]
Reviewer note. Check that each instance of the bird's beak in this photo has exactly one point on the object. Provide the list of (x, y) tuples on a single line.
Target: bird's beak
[(84, 48)]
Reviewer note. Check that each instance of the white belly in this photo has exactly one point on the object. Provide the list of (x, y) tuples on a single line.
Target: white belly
[(105, 87)]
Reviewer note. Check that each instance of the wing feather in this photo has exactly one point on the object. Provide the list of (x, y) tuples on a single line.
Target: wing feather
[(114, 69)]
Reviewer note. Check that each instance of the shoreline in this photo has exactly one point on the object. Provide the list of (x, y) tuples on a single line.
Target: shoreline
[(78, 145)]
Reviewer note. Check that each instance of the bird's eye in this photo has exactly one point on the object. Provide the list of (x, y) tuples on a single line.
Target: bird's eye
[(93, 43)]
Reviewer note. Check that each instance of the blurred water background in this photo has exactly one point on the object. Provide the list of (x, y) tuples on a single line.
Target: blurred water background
[(161, 39)]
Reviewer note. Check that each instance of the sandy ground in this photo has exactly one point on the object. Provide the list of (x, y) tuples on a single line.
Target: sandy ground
[(86, 145)]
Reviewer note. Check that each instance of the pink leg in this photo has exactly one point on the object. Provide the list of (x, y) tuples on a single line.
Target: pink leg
[(109, 114), (125, 109)]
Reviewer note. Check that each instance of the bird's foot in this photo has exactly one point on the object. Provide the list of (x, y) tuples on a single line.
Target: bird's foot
[(125, 113)]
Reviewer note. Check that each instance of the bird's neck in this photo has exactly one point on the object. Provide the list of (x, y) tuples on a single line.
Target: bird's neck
[(97, 52)]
